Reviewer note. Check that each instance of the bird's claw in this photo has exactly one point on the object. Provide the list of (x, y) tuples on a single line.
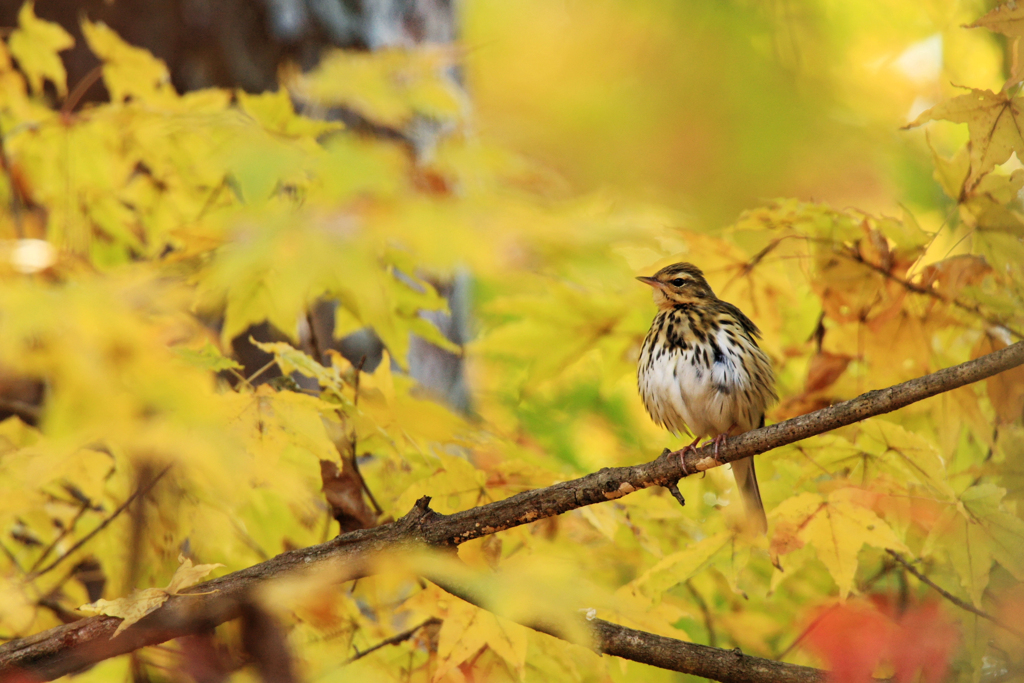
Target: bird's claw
[(718, 441), (682, 458)]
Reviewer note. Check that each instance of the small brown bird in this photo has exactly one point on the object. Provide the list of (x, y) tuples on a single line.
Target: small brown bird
[(702, 371)]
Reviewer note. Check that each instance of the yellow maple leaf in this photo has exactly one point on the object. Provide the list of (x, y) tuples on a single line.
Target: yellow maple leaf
[(836, 528), (1005, 390), (467, 629), (128, 71), (976, 531), (950, 173), (207, 357), (884, 447), (994, 122), (275, 112), (140, 603), (17, 607), (332, 378), (35, 44), (681, 565)]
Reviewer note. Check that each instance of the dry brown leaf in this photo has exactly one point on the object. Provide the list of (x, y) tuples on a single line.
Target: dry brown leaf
[(824, 370), (949, 276), (1007, 19), (343, 490)]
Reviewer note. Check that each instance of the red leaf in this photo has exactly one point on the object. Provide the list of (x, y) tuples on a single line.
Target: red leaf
[(924, 640), (852, 638), (856, 637)]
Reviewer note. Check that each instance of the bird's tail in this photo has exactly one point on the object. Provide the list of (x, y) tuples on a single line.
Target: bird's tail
[(746, 478)]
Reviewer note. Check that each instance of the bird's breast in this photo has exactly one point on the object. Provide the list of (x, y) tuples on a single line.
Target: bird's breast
[(703, 380)]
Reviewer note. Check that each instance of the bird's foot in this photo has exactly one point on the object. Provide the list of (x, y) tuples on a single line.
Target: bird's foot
[(692, 446), (718, 441)]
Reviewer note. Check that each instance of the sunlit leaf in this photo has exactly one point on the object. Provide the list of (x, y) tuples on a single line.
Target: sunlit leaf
[(994, 121), (837, 528), (35, 44), (128, 71)]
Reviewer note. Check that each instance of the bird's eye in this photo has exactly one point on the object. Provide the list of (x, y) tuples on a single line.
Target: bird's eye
[(678, 282)]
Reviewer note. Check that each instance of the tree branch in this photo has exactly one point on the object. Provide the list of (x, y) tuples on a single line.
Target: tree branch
[(67, 648), (727, 666), (949, 596), (393, 640)]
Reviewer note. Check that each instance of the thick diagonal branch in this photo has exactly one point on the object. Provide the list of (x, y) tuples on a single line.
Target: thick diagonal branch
[(67, 648)]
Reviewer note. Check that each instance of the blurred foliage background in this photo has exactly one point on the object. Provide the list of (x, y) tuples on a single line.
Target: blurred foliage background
[(237, 261), (714, 108)]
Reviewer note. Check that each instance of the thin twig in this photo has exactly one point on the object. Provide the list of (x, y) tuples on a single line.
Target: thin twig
[(708, 624), (12, 558), (259, 372), (803, 634), (143, 480), (355, 456), (64, 532), (71, 101), (393, 640), (952, 598), (314, 343), (85, 539)]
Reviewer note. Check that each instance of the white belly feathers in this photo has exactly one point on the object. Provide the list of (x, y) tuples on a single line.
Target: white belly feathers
[(700, 387)]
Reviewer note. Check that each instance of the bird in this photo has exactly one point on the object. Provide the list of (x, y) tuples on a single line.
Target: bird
[(701, 371)]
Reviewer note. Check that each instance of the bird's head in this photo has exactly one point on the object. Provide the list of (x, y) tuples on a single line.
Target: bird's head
[(680, 283)]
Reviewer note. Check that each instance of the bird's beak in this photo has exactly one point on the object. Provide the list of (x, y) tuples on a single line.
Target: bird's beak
[(650, 281)]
